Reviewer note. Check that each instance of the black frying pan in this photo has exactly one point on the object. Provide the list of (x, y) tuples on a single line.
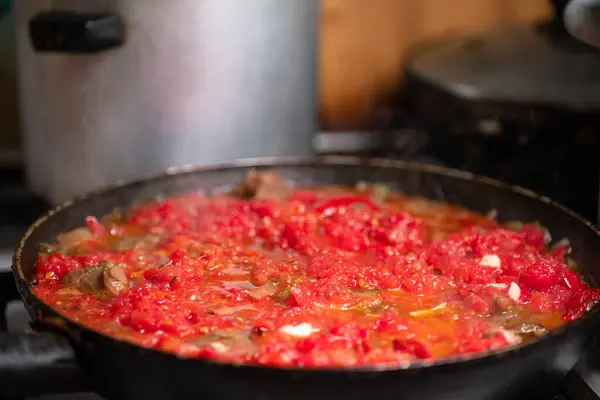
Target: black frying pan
[(76, 358)]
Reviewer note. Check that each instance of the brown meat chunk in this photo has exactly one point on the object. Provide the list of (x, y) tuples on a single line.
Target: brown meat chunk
[(263, 185), (115, 280), (88, 280), (70, 240), (105, 279), (238, 342), (129, 242)]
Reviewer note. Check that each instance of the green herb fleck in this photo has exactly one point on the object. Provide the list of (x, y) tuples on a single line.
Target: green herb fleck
[(361, 186), (380, 192), (513, 225), (47, 249), (572, 264), (283, 295)]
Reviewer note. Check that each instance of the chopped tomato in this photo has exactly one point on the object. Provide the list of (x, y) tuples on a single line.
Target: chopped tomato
[(320, 277)]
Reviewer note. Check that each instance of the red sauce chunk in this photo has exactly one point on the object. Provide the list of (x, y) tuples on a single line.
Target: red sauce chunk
[(321, 277)]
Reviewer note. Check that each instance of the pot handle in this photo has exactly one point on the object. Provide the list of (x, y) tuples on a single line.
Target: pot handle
[(71, 32), (34, 364)]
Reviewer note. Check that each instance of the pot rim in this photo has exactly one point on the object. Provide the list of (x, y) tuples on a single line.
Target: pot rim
[(69, 326)]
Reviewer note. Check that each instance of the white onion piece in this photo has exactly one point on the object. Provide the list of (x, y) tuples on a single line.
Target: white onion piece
[(510, 337), (421, 313), (219, 347), (224, 311), (263, 291), (490, 260), (303, 330), (498, 285), (514, 291), (564, 242), (492, 214)]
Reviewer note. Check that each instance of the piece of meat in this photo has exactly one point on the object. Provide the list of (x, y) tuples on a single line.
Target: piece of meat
[(263, 185), (227, 341), (87, 280), (114, 278), (529, 330), (105, 279), (129, 242), (70, 240)]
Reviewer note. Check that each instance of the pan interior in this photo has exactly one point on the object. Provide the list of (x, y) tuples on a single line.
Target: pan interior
[(478, 194)]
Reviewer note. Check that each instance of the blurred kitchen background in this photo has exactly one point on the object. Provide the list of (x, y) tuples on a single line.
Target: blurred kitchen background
[(492, 86), (365, 44), (9, 113), (496, 87), (364, 50)]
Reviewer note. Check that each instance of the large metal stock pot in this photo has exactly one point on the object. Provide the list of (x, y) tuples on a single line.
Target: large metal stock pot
[(115, 89)]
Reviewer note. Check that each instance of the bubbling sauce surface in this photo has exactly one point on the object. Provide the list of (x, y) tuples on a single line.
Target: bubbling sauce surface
[(319, 277)]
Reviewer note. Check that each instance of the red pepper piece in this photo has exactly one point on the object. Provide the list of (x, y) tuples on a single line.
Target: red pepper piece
[(307, 197), (540, 275), (413, 347), (95, 227), (330, 206)]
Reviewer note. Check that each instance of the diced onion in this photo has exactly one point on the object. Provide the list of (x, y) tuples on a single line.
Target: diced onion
[(263, 291), (421, 313), (302, 330), (564, 242), (490, 260), (492, 214), (219, 347), (497, 285), (510, 337), (514, 291), (223, 311)]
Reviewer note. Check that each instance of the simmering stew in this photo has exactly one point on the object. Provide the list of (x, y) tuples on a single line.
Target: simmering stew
[(321, 277)]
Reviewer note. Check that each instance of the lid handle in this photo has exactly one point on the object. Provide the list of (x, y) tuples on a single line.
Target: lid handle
[(70, 32)]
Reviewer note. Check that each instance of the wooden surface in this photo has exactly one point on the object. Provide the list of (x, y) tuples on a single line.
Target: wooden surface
[(363, 43)]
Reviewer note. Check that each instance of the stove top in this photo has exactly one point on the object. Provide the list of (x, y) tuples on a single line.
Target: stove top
[(19, 208)]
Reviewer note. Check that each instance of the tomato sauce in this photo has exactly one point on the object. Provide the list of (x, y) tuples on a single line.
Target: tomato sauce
[(321, 277)]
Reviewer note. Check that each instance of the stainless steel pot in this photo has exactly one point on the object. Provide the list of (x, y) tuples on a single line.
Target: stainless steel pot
[(115, 89), (582, 20)]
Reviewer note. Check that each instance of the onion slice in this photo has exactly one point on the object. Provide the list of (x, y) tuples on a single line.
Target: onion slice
[(263, 291), (429, 311), (302, 330), (514, 291)]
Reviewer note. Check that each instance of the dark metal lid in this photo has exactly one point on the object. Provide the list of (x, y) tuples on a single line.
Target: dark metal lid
[(582, 20), (521, 104), (527, 65)]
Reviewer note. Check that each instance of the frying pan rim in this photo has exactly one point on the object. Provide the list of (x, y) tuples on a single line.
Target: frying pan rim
[(25, 287)]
